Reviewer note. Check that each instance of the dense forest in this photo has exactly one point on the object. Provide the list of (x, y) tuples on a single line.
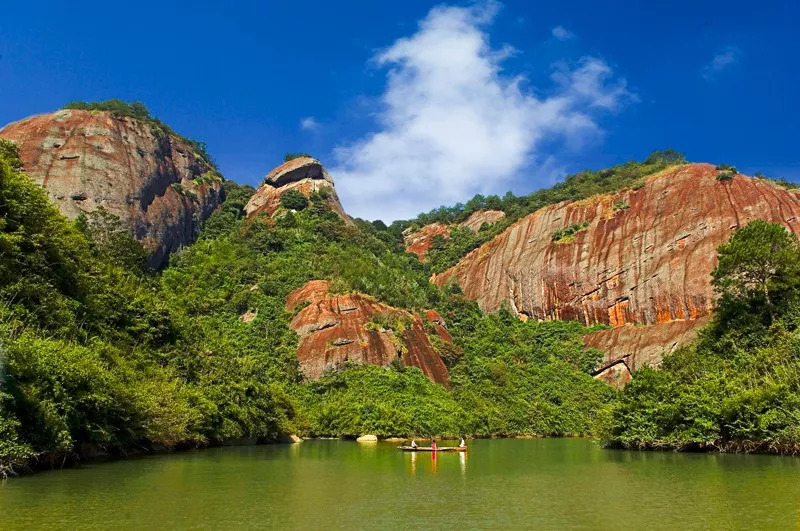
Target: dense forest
[(99, 355)]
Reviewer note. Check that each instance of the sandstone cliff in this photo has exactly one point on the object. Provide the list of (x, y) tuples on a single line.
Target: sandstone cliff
[(355, 328), (629, 347), (152, 180), (638, 256), (419, 242), (304, 174)]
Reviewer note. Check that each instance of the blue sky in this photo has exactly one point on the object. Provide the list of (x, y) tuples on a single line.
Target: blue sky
[(415, 104)]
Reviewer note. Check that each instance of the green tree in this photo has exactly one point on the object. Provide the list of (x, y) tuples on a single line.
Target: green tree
[(758, 267), (294, 200)]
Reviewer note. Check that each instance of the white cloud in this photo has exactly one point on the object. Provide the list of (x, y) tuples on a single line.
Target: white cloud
[(309, 124), (721, 60), (561, 33), (451, 124)]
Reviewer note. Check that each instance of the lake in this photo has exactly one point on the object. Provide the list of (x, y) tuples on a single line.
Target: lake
[(511, 483)]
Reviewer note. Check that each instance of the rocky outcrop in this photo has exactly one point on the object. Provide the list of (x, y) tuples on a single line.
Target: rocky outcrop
[(638, 256), (419, 242), (476, 220), (355, 328), (628, 348), (152, 180), (304, 174)]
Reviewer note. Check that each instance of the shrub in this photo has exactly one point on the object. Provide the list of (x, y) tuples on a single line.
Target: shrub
[(294, 200), (291, 156), (621, 205), (567, 234), (726, 167)]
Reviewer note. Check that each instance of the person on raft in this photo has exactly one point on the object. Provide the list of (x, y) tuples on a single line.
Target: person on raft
[(433, 445), (413, 443), (463, 444)]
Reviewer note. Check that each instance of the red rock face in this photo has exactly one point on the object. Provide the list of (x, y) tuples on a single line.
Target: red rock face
[(337, 329), (649, 263), (420, 242), (303, 174), (86, 160), (628, 348)]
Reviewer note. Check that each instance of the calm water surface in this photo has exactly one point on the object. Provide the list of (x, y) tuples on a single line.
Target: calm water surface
[(539, 483)]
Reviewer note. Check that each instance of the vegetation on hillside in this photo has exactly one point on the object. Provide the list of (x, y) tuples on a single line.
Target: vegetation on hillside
[(92, 358), (139, 111), (737, 388)]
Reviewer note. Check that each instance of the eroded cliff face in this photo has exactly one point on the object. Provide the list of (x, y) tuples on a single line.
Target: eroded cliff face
[(628, 348), (419, 242), (639, 256), (337, 329), (304, 174), (154, 182)]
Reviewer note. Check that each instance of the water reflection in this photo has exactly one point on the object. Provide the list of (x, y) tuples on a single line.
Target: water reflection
[(462, 458), (413, 463)]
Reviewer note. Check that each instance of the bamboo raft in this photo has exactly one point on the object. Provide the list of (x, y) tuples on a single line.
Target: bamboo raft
[(430, 449)]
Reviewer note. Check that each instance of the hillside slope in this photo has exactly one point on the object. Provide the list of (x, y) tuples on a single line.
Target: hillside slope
[(152, 179)]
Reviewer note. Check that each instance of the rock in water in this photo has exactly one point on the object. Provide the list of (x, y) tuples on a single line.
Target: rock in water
[(637, 256), (153, 181), (304, 174), (368, 438), (336, 329)]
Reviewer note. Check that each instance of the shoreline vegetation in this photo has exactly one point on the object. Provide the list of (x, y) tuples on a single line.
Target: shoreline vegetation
[(98, 354)]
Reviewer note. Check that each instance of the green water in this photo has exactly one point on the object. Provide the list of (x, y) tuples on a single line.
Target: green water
[(541, 483)]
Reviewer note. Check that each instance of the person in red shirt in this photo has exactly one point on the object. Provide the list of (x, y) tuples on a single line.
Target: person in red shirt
[(433, 445)]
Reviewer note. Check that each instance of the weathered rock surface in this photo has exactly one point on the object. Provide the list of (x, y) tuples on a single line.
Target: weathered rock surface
[(476, 220), (628, 348), (154, 182), (304, 174), (419, 242), (336, 329), (648, 262)]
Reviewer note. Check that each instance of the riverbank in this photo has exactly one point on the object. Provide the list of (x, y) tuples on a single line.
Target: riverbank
[(737, 447)]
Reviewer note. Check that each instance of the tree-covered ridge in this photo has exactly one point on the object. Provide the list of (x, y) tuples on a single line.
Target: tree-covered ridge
[(139, 111), (446, 252), (737, 388)]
